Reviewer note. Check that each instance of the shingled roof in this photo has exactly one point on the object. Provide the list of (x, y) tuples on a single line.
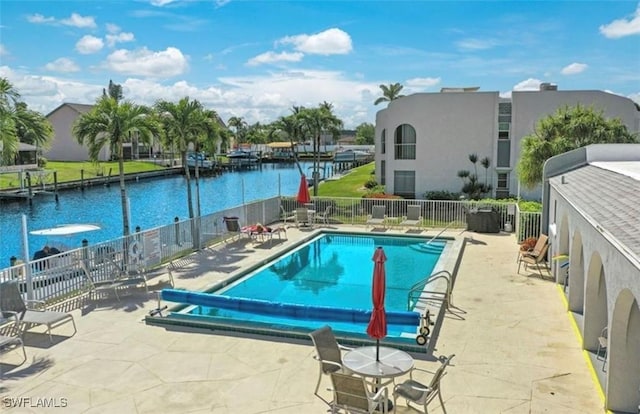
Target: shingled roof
[(607, 194)]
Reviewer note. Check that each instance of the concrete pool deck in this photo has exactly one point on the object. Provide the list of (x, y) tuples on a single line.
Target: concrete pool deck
[(516, 349)]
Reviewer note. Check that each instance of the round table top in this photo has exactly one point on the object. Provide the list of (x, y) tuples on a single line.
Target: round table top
[(392, 362)]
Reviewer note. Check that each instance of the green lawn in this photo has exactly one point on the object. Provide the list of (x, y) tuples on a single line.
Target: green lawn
[(351, 185), (71, 171)]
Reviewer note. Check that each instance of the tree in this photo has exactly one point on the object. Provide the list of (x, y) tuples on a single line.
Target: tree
[(113, 123), (471, 185), (318, 121), (240, 128), (389, 93), (291, 127), (365, 134), (569, 128), (19, 124), (187, 122), (114, 91)]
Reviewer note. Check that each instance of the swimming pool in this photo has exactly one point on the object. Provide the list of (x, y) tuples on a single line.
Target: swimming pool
[(322, 280)]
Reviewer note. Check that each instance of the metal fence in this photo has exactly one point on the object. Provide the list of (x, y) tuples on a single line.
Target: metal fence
[(55, 278)]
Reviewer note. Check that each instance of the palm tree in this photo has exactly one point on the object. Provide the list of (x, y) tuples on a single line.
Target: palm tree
[(19, 123), (317, 121), (290, 126), (185, 122), (112, 123), (390, 93), (240, 127)]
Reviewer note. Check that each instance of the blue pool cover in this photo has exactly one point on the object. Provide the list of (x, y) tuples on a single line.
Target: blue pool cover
[(290, 310)]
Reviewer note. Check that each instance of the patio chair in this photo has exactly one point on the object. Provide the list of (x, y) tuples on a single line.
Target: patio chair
[(115, 278), (286, 215), (350, 393), (303, 217), (535, 251), (418, 393), (531, 260), (601, 352), (11, 301), (324, 217), (233, 227), (413, 217), (378, 216), (329, 354), (10, 338)]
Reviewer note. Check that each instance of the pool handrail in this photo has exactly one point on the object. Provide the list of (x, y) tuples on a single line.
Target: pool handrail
[(428, 242), (418, 287)]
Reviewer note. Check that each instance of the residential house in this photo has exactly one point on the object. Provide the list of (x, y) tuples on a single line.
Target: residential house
[(424, 139)]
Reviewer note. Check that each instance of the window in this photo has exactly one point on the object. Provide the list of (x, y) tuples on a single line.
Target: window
[(383, 141), (404, 184), (405, 142), (504, 153), (502, 188), (383, 172)]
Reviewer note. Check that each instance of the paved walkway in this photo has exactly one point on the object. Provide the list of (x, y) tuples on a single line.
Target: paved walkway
[(516, 351)]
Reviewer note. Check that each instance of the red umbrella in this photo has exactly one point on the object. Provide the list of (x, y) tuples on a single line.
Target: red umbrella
[(303, 191), (378, 324)]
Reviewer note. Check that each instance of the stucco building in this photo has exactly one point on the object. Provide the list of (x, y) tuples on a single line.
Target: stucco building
[(591, 200), (424, 139)]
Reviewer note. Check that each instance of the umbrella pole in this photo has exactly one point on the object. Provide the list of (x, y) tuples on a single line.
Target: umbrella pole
[(377, 350)]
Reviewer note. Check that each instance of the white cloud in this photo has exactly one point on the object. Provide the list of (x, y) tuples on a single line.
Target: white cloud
[(145, 62), (273, 57), (622, 27), (530, 84), (3, 50), (89, 44), (121, 37), (574, 68), (38, 18), (79, 21), (421, 83), (113, 28), (221, 3), (476, 44), (62, 65), (160, 3), (635, 97), (330, 42)]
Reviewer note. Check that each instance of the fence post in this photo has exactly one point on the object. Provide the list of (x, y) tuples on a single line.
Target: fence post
[(176, 220)]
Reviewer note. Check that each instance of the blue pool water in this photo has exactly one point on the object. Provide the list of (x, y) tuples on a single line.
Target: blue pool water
[(332, 270)]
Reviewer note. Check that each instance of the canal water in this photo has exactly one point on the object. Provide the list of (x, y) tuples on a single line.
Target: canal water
[(153, 203)]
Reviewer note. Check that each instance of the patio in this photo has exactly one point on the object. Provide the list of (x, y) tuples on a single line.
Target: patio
[(516, 350)]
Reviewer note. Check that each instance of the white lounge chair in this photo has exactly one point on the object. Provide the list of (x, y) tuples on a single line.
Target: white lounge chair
[(378, 216), (11, 300), (413, 217)]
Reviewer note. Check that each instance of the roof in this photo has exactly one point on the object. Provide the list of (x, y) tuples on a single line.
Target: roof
[(23, 146), (279, 145), (79, 108), (607, 193)]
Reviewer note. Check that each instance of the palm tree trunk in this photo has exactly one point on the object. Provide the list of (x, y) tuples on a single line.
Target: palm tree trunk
[(187, 176), (123, 193)]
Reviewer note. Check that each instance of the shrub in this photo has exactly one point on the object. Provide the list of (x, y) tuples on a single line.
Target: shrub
[(441, 195), (371, 183), (42, 162)]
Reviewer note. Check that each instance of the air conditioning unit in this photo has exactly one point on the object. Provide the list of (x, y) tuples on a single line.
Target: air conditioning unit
[(546, 86)]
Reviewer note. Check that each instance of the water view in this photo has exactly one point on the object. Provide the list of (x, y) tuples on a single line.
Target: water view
[(153, 202)]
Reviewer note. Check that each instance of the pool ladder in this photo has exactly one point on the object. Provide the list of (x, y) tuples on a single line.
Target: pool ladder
[(418, 295)]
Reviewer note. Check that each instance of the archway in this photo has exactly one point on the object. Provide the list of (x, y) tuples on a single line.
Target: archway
[(576, 275), (563, 248), (595, 303), (623, 379)]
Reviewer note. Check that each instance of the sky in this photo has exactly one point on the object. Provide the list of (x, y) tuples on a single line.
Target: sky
[(258, 59)]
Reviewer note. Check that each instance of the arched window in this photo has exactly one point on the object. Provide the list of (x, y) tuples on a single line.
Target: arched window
[(383, 142), (405, 142)]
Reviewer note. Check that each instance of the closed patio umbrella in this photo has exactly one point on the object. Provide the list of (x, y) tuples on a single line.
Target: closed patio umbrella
[(303, 192), (378, 324)]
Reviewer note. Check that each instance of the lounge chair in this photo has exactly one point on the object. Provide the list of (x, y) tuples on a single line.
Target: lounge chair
[(378, 216), (329, 354), (258, 232), (531, 260), (115, 278), (10, 338), (350, 394), (535, 251), (233, 227), (11, 300), (413, 391), (303, 217), (413, 217), (286, 215)]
